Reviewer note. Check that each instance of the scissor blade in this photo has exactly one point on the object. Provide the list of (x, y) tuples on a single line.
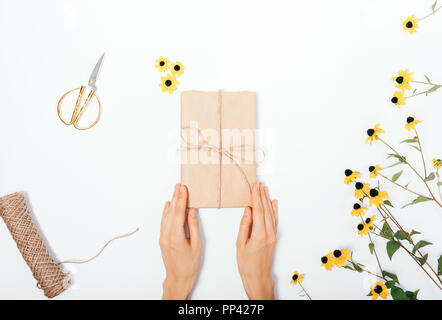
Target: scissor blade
[(95, 73)]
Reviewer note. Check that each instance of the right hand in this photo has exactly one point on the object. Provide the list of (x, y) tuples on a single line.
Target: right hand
[(256, 243)]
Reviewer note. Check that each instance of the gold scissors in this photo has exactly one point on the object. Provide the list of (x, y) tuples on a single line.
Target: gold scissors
[(80, 110)]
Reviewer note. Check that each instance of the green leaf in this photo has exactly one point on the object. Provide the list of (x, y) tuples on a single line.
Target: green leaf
[(390, 284), (409, 141), (369, 294), (398, 294), (394, 155), (434, 6), (371, 247), (423, 259), (421, 244), (414, 91), (439, 184), (400, 235), (394, 164), (416, 148), (412, 295), (390, 275), (388, 203), (430, 177), (439, 265), (428, 79), (386, 231), (392, 247), (417, 200), (396, 175), (356, 266), (432, 89), (348, 267), (413, 232)]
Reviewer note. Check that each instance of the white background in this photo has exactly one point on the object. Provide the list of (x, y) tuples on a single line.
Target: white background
[(322, 71)]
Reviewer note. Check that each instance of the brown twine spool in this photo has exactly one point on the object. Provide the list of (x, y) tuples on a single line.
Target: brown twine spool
[(50, 278)]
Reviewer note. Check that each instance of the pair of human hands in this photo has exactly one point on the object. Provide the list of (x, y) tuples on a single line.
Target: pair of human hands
[(255, 245)]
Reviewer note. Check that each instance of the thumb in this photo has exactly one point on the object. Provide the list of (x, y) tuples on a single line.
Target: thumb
[(244, 227), (194, 230)]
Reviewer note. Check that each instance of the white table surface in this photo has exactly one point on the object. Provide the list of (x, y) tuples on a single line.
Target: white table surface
[(322, 71)]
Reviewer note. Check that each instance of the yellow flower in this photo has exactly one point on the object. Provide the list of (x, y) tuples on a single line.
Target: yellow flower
[(168, 83), (296, 278), (376, 197), (379, 289), (437, 163), (374, 171), (341, 257), (358, 210), (398, 98), (411, 122), (350, 176), (363, 229), (410, 24), (369, 221), (361, 189), (162, 64), (177, 68), (328, 261), (403, 79), (373, 133)]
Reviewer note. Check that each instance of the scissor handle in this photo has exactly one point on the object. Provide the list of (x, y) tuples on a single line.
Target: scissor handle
[(78, 112)]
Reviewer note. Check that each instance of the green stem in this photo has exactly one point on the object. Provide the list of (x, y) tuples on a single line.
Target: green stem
[(305, 291), (403, 187), (422, 82), (417, 173), (422, 153), (430, 14)]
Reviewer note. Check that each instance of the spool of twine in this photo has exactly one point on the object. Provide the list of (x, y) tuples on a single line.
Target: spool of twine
[(50, 278)]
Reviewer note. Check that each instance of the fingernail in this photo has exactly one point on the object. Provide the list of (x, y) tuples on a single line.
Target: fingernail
[(276, 203), (246, 213), (182, 189), (177, 187), (193, 213)]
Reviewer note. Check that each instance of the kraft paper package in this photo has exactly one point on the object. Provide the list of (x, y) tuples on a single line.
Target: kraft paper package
[(218, 154)]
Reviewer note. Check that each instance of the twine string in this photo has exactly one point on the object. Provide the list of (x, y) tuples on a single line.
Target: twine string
[(101, 251), (48, 274)]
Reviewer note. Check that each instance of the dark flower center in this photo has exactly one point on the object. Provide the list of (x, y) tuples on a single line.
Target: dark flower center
[(295, 277), (356, 206), (348, 172), (394, 99), (324, 259), (359, 185), (400, 80), (374, 192), (378, 289), (360, 226), (176, 67), (337, 253), (409, 24), (168, 83), (367, 220), (410, 119), (371, 168), (162, 63), (370, 132)]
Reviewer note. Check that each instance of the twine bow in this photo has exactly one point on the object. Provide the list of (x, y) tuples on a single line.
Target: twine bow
[(203, 143)]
